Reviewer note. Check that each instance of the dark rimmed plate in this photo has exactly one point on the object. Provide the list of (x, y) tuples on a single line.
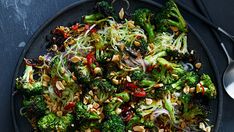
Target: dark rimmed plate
[(37, 46)]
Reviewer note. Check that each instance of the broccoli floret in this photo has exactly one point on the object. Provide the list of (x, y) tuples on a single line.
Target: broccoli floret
[(51, 122), (138, 75), (116, 102), (123, 95), (167, 72), (173, 68), (190, 79), (64, 122), (82, 112), (148, 85), (92, 125), (34, 106), (104, 85), (152, 59), (194, 112), (48, 122), (27, 84), (113, 124), (92, 18), (142, 17), (136, 120), (144, 109), (169, 17), (206, 86), (185, 100), (103, 56), (82, 73), (180, 43), (163, 41), (170, 107), (105, 9), (57, 70)]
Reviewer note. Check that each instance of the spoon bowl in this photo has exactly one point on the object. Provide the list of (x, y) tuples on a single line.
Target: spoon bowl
[(228, 79)]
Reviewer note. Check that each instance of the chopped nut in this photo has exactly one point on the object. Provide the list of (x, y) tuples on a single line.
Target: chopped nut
[(161, 130), (121, 13), (198, 88), (186, 89), (202, 126), (59, 113), (122, 46), (88, 130), (115, 58), (191, 90), (208, 129), (59, 85), (139, 128), (54, 47), (136, 43), (120, 100), (131, 24), (158, 85), (75, 59), (85, 101), (41, 58), (118, 110), (90, 106), (46, 77), (95, 105), (128, 79), (44, 83), (97, 70), (148, 101), (115, 81), (198, 65), (73, 76), (91, 92), (64, 83)]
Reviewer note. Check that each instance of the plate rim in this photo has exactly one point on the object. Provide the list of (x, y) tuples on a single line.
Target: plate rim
[(75, 4)]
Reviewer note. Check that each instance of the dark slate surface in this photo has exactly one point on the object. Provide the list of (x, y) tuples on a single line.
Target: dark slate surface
[(19, 19)]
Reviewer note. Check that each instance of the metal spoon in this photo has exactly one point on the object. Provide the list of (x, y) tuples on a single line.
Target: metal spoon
[(228, 76)]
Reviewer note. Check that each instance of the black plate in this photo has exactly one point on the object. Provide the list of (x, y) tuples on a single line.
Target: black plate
[(37, 46)]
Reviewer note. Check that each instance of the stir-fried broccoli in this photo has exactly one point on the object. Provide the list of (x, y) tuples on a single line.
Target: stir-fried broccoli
[(113, 124), (190, 79), (193, 113), (167, 72), (136, 120), (89, 125), (148, 85), (51, 122), (104, 85), (144, 109), (170, 17), (206, 86), (138, 75), (27, 84), (103, 9), (82, 73), (185, 100), (82, 112), (142, 17), (34, 106), (170, 107), (152, 59), (116, 102), (103, 56), (180, 43), (163, 41)]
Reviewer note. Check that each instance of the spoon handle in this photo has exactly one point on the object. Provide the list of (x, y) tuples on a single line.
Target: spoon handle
[(205, 12), (204, 19)]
